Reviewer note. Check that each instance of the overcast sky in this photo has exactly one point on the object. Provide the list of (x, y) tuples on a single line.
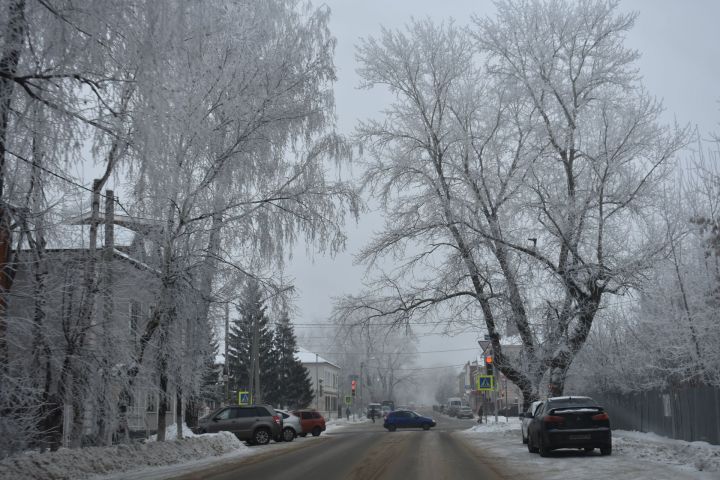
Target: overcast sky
[(680, 46)]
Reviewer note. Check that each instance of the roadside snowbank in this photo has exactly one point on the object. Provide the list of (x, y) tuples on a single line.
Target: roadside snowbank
[(332, 425), (84, 462), (635, 455)]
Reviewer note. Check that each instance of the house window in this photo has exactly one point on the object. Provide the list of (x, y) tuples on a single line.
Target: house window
[(151, 402)]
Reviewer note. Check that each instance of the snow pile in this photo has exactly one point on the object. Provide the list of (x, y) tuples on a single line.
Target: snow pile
[(171, 433), (700, 455), (84, 462), (332, 425), (503, 424), (637, 456)]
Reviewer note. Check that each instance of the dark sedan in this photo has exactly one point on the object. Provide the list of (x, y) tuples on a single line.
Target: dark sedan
[(569, 422), (407, 419)]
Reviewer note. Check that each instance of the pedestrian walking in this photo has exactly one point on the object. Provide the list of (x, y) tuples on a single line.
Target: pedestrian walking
[(347, 413), (372, 414), (480, 413)]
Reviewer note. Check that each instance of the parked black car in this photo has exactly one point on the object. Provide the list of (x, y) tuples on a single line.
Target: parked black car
[(569, 422), (255, 423)]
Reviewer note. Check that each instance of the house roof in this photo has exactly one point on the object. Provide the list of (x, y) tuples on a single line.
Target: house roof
[(306, 356)]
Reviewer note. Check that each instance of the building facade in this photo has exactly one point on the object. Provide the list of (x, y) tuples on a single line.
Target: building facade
[(325, 378)]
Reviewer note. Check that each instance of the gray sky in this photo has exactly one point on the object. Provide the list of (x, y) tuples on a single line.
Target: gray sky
[(680, 46)]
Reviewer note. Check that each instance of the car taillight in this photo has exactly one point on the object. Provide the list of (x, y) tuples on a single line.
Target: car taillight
[(601, 416), (553, 419), (276, 419)]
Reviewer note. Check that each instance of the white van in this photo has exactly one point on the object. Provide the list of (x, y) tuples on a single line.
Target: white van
[(453, 406)]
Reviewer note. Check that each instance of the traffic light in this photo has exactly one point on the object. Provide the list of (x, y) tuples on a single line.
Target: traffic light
[(488, 364), (353, 384)]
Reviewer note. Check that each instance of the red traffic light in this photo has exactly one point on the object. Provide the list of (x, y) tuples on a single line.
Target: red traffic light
[(353, 384), (488, 360)]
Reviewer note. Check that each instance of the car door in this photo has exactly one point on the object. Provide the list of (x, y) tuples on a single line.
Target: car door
[(246, 419), (404, 419), (412, 420), (533, 427), (306, 421), (220, 422)]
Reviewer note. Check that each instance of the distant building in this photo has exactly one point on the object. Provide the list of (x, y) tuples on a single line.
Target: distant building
[(325, 374)]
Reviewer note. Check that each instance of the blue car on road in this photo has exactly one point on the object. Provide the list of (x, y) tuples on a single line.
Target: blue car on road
[(407, 419)]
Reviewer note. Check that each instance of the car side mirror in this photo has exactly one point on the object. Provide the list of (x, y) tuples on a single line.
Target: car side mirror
[(215, 419)]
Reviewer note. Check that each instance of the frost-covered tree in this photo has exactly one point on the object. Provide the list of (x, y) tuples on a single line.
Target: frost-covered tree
[(234, 144), (666, 336), (292, 387), (517, 168), (252, 356)]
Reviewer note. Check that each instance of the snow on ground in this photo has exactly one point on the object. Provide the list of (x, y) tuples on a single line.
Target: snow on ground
[(640, 456), (149, 461), (85, 462), (332, 425)]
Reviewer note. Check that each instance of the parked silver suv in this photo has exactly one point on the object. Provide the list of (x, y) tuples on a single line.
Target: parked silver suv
[(257, 424), (291, 425)]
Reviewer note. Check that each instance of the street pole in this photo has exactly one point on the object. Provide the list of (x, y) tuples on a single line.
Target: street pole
[(227, 365), (362, 403), (317, 384)]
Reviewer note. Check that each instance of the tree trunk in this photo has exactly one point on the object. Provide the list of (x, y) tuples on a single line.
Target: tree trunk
[(178, 412), (13, 36), (163, 406)]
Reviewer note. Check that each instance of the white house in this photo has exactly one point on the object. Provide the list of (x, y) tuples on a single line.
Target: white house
[(325, 377)]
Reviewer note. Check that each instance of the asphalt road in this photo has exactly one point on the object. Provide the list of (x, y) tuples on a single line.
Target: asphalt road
[(365, 452)]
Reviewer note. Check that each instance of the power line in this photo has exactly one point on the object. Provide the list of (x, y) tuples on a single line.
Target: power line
[(401, 353), (70, 181)]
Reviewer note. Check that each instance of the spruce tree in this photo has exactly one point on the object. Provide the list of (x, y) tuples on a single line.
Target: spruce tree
[(252, 323), (293, 388)]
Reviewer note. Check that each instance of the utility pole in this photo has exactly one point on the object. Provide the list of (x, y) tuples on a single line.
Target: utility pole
[(317, 384), (255, 354), (362, 403)]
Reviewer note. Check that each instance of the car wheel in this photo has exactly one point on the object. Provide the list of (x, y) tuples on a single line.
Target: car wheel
[(316, 432), (391, 428), (606, 450), (426, 427), (288, 434), (544, 451), (261, 436), (303, 434), (530, 446)]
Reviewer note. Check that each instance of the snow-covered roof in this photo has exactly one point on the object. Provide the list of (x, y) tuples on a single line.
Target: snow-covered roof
[(306, 356)]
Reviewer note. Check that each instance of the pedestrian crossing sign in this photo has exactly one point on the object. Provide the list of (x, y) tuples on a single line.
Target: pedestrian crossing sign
[(243, 398), (485, 383)]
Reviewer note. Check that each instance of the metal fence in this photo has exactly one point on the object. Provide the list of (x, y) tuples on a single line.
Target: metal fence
[(691, 413)]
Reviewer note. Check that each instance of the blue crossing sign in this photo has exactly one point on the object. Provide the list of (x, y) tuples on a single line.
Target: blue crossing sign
[(243, 398), (485, 383)]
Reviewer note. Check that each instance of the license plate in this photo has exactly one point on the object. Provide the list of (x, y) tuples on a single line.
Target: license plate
[(579, 437)]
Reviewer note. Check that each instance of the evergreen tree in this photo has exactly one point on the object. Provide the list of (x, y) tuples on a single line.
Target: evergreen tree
[(251, 325), (293, 388)]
